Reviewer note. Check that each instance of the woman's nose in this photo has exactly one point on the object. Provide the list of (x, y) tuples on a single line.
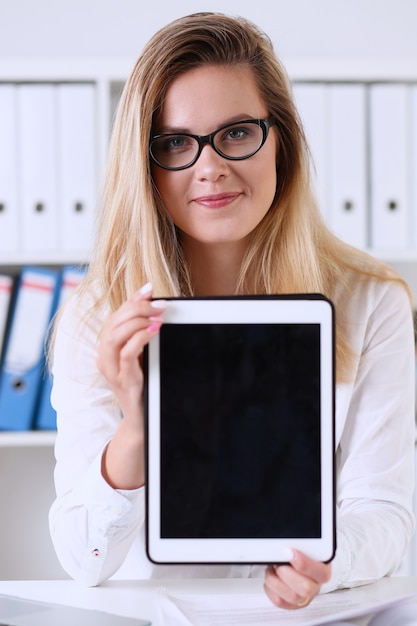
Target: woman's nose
[(211, 165)]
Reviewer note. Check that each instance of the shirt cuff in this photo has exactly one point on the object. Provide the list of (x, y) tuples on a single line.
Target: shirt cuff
[(117, 503), (341, 565)]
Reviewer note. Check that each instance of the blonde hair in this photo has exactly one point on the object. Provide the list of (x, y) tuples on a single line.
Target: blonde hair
[(291, 250)]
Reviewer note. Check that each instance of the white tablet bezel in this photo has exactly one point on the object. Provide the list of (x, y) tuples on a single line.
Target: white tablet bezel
[(303, 309)]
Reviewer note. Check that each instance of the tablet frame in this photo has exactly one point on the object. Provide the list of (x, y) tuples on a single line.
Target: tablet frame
[(280, 309)]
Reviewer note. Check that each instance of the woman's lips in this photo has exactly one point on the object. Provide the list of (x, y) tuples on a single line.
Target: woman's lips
[(217, 200)]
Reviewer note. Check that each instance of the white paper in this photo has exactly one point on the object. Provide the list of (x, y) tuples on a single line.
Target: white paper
[(405, 615), (255, 608)]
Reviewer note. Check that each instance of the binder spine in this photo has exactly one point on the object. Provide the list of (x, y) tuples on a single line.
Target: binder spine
[(45, 418)]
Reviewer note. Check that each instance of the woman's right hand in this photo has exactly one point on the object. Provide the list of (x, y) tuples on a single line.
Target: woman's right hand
[(122, 340)]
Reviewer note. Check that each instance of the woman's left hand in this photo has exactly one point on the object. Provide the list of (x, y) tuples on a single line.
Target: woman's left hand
[(294, 586)]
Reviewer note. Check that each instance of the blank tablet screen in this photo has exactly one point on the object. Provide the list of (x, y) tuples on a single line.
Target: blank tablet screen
[(240, 431)]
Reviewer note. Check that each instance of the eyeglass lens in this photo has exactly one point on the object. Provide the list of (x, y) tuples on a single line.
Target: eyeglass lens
[(236, 141)]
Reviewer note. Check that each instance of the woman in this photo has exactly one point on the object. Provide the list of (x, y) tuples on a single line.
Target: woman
[(208, 192)]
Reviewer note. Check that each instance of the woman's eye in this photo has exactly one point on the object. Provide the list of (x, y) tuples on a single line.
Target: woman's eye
[(236, 133), (242, 133), (177, 143)]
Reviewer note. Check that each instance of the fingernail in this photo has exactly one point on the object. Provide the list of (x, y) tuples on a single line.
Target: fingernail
[(159, 304), (153, 328), (289, 554), (147, 288)]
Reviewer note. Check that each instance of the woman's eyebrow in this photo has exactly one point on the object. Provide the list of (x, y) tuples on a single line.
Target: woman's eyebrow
[(173, 130), (178, 130)]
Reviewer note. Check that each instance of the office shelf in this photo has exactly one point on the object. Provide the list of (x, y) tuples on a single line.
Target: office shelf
[(26, 439)]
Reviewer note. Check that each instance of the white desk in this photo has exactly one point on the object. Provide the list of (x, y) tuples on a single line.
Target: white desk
[(139, 598)]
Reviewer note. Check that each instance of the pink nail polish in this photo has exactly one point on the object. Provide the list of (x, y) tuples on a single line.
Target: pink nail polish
[(147, 288), (153, 328), (144, 291)]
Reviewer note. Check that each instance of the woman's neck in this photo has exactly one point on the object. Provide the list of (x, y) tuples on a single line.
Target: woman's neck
[(214, 268)]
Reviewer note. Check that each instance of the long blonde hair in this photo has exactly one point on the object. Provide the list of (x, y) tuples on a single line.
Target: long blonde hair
[(291, 250)]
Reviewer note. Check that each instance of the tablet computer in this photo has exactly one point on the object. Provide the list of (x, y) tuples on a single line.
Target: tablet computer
[(239, 420)]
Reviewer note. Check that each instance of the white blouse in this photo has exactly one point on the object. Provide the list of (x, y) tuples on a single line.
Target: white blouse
[(99, 532)]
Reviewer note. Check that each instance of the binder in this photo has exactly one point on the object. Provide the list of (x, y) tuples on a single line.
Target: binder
[(45, 418), (6, 289), (347, 163), (37, 159), (24, 356), (76, 166), (9, 221), (413, 163), (389, 127), (312, 101)]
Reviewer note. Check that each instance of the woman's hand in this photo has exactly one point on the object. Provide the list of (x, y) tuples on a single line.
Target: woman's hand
[(122, 340), (293, 586)]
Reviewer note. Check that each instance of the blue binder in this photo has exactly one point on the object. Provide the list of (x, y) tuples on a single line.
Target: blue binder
[(24, 356), (46, 415), (7, 288), (45, 419)]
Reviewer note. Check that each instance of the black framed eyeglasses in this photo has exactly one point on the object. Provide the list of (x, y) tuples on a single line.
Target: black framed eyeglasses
[(235, 142)]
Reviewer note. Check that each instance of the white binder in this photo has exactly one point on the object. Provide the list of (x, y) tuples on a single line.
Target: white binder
[(413, 163), (9, 234), (37, 158), (347, 163), (312, 104), (76, 166), (389, 128)]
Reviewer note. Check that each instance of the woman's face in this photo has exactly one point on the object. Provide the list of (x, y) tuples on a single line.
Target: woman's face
[(216, 200)]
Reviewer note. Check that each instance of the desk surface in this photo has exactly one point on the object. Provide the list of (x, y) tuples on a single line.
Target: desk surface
[(139, 598)]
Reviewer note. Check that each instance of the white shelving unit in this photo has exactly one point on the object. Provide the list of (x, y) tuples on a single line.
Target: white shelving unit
[(29, 439), (26, 459), (27, 492)]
